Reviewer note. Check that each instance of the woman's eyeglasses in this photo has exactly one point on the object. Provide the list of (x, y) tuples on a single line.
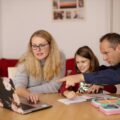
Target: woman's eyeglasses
[(40, 46)]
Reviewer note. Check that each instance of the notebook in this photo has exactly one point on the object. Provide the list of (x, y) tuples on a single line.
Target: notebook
[(10, 100), (108, 106)]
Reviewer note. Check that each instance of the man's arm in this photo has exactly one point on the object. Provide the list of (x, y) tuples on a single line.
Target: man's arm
[(104, 77), (109, 76), (72, 79)]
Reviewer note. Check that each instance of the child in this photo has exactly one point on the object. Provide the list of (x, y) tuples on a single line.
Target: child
[(85, 61)]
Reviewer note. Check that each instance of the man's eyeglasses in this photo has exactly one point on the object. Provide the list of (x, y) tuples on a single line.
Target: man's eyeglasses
[(40, 46)]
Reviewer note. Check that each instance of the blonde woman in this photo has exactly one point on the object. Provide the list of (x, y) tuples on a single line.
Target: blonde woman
[(40, 67)]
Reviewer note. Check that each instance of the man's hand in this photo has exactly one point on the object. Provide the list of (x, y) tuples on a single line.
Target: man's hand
[(72, 79)]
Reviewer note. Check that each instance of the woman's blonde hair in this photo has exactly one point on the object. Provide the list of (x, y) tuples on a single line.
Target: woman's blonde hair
[(52, 65)]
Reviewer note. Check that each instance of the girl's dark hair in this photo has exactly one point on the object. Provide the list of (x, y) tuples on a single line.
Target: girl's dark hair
[(86, 52)]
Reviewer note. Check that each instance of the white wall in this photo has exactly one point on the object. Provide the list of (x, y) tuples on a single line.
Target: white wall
[(116, 16), (20, 18), (0, 32)]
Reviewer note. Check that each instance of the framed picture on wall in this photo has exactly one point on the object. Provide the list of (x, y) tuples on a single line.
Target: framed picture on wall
[(68, 9)]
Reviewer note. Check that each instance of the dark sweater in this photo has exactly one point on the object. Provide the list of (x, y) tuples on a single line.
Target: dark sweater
[(108, 76)]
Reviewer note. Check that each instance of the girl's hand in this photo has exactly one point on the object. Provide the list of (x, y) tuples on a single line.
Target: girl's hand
[(94, 89), (70, 94)]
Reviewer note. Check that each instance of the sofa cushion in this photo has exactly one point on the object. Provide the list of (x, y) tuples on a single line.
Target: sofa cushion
[(5, 63)]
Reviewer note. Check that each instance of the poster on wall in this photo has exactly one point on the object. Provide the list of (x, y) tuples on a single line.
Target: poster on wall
[(68, 9)]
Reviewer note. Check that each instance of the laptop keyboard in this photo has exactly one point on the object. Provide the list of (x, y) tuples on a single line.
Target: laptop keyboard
[(26, 107)]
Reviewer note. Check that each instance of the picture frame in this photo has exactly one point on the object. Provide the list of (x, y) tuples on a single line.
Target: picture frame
[(68, 9)]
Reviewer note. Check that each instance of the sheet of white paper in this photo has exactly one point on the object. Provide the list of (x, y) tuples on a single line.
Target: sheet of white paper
[(74, 100), (82, 98)]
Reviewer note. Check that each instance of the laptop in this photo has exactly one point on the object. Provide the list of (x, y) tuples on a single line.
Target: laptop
[(10, 100)]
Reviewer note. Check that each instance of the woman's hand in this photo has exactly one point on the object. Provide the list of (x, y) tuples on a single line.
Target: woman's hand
[(26, 93), (33, 98)]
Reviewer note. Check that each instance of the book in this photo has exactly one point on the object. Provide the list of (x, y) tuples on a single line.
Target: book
[(107, 105), (110, 109)]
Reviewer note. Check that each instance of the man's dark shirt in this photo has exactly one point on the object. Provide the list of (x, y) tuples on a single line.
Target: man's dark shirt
[(110, 75)]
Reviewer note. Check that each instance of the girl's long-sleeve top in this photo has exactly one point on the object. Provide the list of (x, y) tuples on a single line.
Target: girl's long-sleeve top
[(22, 79), (108, 88)]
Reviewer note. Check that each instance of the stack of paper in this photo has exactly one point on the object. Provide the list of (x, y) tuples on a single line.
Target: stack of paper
[(75, 100)]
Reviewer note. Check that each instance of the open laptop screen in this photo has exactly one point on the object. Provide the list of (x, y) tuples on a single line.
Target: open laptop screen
[(8, 97), (10, 100)]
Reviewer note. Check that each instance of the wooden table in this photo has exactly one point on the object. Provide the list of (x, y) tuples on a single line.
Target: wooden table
[(59, 111)]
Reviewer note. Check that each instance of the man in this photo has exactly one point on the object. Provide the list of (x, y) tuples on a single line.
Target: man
[(110, 49)]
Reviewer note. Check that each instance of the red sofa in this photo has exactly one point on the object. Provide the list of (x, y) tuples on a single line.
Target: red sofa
[(70, 69), (5, 63)]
